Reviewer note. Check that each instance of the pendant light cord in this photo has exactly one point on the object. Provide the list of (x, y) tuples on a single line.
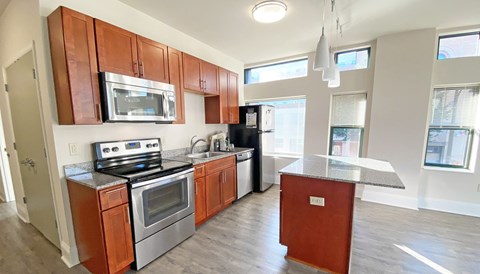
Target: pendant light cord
[(323, 18)]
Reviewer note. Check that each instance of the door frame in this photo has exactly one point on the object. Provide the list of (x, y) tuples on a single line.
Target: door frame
[(22, 212), (5, 167)]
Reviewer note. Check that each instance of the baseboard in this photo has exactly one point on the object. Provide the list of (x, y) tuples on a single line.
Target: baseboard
[(2, 199), (390, 199), (22, 213), (69, 254), (449, 206)]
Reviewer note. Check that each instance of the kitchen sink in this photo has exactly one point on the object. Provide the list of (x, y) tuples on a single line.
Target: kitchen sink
[(206, 155)]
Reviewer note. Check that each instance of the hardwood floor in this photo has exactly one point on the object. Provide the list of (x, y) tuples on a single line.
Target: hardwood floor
[(244, 239)]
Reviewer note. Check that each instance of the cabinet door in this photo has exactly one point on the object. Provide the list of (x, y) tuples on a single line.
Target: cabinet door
[(152, 60), (229, 185), (116, 49), (118, 237), (224, 109), (213, 193), (175, 70), (75, 72), (200, 202), (233, 115), (210, 79), (192, 73)]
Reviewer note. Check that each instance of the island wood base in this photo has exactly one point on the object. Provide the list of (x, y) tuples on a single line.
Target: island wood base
[(319, 236)]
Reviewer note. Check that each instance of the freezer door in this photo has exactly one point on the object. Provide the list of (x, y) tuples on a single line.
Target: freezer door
[(267, 118)]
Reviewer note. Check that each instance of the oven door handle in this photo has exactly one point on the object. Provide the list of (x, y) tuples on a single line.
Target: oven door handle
[(156, 181)]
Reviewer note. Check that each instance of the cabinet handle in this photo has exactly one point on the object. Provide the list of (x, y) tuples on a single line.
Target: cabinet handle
[(135, 68), (128, 215), (97, 108), (142, 69)]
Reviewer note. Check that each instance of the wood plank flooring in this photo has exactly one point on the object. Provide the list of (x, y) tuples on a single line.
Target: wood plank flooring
[(244, 239)]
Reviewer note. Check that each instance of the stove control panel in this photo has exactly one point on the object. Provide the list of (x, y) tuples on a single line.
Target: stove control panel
[(126, 148)]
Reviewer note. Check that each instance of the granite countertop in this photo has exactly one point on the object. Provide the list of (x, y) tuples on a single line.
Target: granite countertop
[(346, 169), (96, 180), (198, 161)]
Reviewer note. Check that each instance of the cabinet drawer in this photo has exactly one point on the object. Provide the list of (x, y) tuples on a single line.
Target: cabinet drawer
[(113, 196), (199, 171), (220, 164)]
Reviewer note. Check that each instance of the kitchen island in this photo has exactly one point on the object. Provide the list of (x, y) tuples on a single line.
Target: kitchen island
[(317, 204)]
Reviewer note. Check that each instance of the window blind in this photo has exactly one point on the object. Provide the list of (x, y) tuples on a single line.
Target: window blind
[(454, 107), (349, 110)]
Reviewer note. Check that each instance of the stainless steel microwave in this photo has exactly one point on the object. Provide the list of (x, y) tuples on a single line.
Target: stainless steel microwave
[(130, 99)]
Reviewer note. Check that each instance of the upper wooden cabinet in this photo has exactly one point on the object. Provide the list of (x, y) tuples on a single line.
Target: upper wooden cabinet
[(153, 60), (124, 52), (175, 71), (223, 109), (74, 62), (200, 76)]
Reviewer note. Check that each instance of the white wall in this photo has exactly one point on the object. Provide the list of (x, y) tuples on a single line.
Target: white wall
[(24, 21), (401, 92)]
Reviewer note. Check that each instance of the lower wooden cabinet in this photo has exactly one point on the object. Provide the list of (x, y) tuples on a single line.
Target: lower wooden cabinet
[(215, 187), (200, 205), (101, 222)]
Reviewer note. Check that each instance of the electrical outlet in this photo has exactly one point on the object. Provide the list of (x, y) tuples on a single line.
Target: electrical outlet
[(478, 188), (73, 148), (317, 201), (162, 142)]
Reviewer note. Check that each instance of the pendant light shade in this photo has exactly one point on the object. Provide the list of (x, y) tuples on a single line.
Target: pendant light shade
[(321, 61), (335, 83), (329, 73)]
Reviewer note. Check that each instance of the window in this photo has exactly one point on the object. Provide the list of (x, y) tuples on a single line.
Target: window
[(347, 121), (458, 45), (279, 71), (289, 125), (352, 59), (452, 125)]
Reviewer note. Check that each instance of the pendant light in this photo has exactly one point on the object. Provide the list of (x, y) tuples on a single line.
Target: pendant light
[(335, 83), (321, 60), (329, 73)]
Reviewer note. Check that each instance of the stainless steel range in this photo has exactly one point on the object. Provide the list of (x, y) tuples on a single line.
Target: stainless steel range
[(161, 194)]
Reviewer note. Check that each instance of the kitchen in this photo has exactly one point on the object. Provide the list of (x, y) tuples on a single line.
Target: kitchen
[(59, 137)]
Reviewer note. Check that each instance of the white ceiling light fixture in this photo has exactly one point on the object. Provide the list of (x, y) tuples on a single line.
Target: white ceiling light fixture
[(269, 11), (321, 60)]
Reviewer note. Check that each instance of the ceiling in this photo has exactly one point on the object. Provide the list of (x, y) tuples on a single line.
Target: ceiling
[(3, 5), (227, 25)]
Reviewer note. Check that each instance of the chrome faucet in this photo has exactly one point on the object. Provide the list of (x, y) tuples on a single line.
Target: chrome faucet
[(193, 144)]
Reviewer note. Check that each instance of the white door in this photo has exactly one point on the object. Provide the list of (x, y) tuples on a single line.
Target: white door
[(30, 146)]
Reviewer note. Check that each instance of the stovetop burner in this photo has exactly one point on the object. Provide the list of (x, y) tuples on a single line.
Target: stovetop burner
[(158, 167)]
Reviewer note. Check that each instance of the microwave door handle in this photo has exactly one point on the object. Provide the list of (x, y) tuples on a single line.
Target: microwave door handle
[(166, 113)]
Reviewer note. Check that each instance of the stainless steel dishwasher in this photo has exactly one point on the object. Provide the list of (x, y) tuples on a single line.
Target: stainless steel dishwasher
[(244, 173)]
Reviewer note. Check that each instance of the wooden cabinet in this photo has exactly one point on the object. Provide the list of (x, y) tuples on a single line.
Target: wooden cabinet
[(175, 70), (124, 52), (75, 72), (215, 187), (118, 237), (223, 109), (200, 202), (200, 76), (213, 197), (103, 233)]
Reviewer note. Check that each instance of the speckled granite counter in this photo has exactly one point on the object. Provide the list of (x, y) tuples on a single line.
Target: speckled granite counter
[(345, 169), (84, 174), (96, 180)]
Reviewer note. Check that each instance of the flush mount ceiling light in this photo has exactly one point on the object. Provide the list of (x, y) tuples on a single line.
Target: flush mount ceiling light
[(269, 11)]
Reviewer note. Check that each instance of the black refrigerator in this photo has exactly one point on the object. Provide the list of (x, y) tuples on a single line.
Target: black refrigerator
[(256, 130)]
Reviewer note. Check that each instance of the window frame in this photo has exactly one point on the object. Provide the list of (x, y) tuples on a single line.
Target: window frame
[(245, 73), (362, 130), (468, 148), (369, 51), (440, 37)]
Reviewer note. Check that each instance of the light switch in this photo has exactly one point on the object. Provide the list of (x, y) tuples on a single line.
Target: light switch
[(73, 148), (317, 201)]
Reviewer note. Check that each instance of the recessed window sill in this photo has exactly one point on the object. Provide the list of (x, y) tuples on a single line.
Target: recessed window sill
[(279, 155), (448, 169)]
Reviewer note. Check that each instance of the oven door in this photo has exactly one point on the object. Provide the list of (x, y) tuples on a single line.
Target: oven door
[(161, 202)]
